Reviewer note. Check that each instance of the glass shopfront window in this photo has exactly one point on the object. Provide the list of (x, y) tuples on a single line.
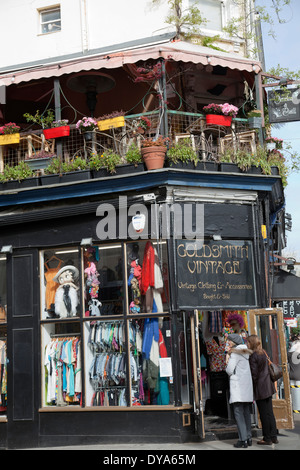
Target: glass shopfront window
[(105, 326), (60, 294)]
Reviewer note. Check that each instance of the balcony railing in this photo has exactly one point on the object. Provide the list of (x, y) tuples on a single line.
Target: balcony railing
[(209, 141)]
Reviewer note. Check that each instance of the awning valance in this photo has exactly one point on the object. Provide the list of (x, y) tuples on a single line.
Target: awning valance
[(177, 51)]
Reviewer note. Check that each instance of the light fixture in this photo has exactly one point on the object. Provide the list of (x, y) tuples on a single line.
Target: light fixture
[(7, 249), (91, 83), (208, 59), (86, 242), (217, 237)]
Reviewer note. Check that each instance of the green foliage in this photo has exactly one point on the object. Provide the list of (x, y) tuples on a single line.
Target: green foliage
[(133, 155), (187, 21), (76, 164), (18, 172), (182, 151), (42, 120), (55, 167)]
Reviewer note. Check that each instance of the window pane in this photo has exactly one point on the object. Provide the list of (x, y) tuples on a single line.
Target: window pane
[(50, 21), (62, 384), (151, 362), (147, 269), (211, 11), (103, 278), (50, 15), (105, 363), (60, 283)]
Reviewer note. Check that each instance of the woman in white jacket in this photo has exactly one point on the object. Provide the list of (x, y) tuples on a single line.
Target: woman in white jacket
[(241, 388)]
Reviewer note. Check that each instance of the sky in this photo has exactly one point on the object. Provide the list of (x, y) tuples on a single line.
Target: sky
[(284, 50)]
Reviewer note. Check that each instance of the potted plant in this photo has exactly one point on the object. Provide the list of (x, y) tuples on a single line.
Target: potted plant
[(255, 119), (274, 143), (110, 160), (59, 128), (182, 155), (220, 114), (51, 129), (9, 134), (154, 152), (75, 170), (86, 127), (143, 124), (133, 158), (21, 174), (109, 121), (52, 173), (39, 160)]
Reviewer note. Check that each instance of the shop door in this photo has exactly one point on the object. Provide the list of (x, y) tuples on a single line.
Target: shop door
[(198, 406), (268, 325)]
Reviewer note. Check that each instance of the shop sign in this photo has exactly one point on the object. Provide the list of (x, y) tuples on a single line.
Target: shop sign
[(284, 105), (291, 308), (216, 274)]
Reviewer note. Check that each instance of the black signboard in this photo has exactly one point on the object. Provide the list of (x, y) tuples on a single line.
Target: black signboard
[(284, 105), (291, 308), (218, 274)]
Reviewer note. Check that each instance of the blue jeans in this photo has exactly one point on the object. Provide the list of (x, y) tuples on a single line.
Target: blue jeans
[(242, 416)]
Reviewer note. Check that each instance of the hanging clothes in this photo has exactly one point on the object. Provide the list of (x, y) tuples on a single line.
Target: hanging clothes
[(62, 360), (51, 285)]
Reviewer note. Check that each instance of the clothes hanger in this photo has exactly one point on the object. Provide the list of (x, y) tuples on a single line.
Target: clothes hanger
[(51, 259)]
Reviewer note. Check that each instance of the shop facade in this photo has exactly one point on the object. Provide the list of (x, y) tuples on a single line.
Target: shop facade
[(102, 334)]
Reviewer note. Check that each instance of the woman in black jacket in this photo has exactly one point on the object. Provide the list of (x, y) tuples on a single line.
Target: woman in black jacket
[(263, 389)]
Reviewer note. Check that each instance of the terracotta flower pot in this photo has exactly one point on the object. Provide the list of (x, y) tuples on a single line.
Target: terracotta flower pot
[(218, 120), (154, 157)]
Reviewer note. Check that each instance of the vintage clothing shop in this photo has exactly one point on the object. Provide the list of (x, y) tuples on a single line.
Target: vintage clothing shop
[(101, 336)]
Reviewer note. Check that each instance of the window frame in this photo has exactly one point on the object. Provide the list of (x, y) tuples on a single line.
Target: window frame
[(81, 320), (42, 23)]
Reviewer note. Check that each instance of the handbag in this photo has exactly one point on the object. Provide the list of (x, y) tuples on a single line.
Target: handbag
[(274, 369)]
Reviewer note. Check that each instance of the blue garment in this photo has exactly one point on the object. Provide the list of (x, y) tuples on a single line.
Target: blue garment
[(151, 331)]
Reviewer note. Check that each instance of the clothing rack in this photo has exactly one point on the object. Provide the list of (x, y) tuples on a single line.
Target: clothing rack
[(61, 335)]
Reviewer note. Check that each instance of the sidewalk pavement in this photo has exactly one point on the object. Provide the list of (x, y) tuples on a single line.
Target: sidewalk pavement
[(289, 439)]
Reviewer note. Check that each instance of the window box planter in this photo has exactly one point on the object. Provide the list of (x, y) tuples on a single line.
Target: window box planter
[(107, 124), (255, 122), (55, 132), (30, 182), (183, 165), (129, 168), (207, 166), (274, 170), (218, 120), (9, 185), (230, 168), (8, 139), (50, 179), (79, 175), (38, 163)]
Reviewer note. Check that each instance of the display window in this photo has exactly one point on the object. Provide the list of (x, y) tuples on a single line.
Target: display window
[(148, 288), (103, 280), (105, 326), (60, 290)]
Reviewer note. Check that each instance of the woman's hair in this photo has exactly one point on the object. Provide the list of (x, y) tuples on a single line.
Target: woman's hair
[(255, 344)]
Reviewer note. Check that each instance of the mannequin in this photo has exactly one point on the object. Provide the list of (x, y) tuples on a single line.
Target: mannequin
[(66, 296)]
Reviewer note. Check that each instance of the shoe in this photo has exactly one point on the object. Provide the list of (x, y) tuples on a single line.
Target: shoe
[(264, 443), (249, 442), (274, 440), (241, 444)]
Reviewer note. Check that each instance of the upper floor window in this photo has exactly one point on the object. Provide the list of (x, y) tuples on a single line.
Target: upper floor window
[(50, 20), (211, 10)]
